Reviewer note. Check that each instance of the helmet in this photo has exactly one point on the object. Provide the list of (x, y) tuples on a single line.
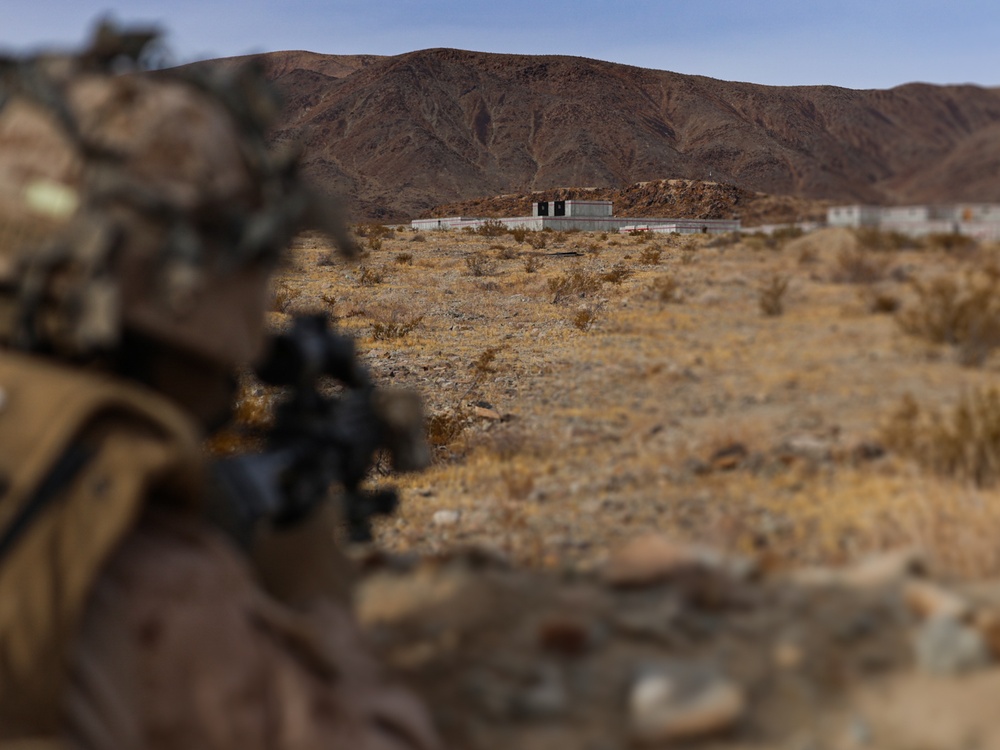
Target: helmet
[(140, 201)]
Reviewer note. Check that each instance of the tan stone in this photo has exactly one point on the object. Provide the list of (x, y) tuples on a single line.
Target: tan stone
[(650, 558), (658, 715), (927, 600)]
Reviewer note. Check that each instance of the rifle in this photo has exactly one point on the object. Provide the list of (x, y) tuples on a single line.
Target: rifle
[(318, 441)]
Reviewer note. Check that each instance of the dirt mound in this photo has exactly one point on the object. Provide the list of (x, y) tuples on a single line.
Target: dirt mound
[(682, 199)]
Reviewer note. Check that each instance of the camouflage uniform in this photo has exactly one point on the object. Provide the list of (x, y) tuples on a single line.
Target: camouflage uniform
[(140, 219)]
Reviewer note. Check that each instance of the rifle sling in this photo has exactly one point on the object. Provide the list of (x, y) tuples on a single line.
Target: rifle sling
[(64, 471)]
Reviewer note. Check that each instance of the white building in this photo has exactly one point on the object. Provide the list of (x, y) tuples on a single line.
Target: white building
[(979, 220), (587, 216)]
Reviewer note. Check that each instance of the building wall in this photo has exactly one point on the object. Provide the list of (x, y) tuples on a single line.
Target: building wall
[(980, 220), (585, 224)]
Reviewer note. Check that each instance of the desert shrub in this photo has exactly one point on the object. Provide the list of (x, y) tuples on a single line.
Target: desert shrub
[(519, 234), (576, 282), (781, 235), (392, 328), (964, 313), (492, 228), (480, 264), (373, 243), (964, 443), (950, 241), (506, 252), (878, 301), (665, 289), (761, 241), (650, 256), (370, 230), (724, 240), (405, 259), (771, 295), (418, 238), (532, 263), (859, 267), (368, 276), (283, 296), (870, 238), (584, 319), (537, 240), (484, 364), (444, 428), (617, 273)]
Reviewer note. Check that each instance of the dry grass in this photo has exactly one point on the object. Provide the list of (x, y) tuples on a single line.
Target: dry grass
[(961, 311), (602, 421), (771, 295)]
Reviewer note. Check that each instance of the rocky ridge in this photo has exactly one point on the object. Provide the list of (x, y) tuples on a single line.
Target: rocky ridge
[(402, 134)]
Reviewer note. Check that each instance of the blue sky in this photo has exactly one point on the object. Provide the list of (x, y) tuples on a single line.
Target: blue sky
[(851, 43)]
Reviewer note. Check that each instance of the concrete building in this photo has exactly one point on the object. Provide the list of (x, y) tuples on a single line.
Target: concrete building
[(979, 220), (586, 216)]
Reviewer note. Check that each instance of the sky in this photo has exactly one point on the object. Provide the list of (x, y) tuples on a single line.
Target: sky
[(856, 44)]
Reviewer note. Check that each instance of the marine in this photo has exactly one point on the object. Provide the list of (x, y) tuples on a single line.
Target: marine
[(141, 218)]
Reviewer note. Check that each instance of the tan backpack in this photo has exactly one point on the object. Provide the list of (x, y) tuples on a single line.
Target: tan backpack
[(79, 455)]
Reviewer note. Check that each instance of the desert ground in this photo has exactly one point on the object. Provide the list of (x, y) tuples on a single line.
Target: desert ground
[(736, 491)]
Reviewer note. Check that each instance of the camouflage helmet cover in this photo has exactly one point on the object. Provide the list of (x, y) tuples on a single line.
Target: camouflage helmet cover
[(143, 201)]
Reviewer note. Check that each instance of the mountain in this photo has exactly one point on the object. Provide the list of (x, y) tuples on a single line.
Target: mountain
[(402, 134)]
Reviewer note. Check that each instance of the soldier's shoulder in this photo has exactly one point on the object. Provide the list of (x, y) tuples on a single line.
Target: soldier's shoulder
[(47, 408)]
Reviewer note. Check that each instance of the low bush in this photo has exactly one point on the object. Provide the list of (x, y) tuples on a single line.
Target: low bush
[(964, 443), (368, 276), (666, 289), (574, 283), (492, 228), (963, 312), (617, 273), (480, 264), (584, 319), (771, 295), (950, 242), (650, 256), (859, 267), (392, 328)]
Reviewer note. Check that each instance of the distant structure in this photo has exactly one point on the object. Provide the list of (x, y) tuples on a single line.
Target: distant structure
[(979, 220), (587, 216)]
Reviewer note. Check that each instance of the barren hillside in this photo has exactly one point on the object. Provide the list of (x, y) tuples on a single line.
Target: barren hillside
[(405, 133)]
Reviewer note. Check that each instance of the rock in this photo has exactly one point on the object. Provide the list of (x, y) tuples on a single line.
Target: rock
[(659, 712), (651, 558), (567, 636), (928, 600), (878, 571), (788, 655), (387, 597), (987, 623), (945, 646), (886, 569), (545, 699), (445, 517)]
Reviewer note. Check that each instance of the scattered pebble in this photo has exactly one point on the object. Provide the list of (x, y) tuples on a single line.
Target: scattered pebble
[(659, 713), (651, 558), (446, 517), (928, 601)]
